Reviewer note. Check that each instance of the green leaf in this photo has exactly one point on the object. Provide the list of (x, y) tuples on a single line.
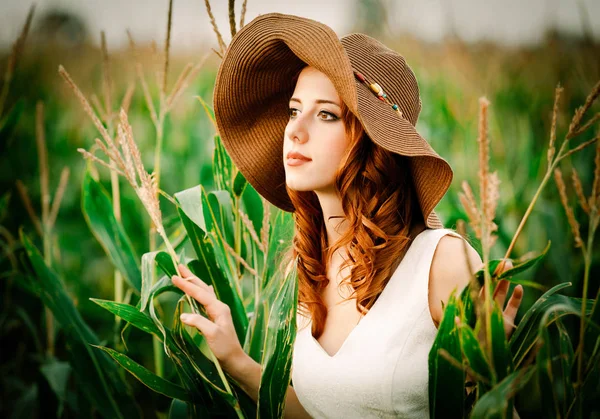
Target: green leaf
[(502, 359), (280, 235), (549, 404), (178, 410), (446, 382), (147, 377), (98, 213), (496, 402), (223, 401), (239, 184), (57, 373), (492, 266), (467, 307), (222, 167), (208, 268), (524, 263), (130, 314), (219, 218), (97, 376), (525, 336), (566, 362), (192, 378), (148, 273), (592, 334), (253, 207), (475, 356), (257, 330), (190, 202), (165, 262), (277, 356)]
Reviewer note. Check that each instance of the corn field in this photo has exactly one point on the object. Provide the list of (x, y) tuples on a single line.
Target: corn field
[(112, 174)]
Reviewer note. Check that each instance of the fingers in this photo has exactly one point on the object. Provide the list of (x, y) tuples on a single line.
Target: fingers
[(184, 270), (204, 295), (500, 292), (510, 313), (204, 325), (189, 276)]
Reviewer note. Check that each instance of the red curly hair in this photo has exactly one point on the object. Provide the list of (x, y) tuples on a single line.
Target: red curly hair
[(381, 207)]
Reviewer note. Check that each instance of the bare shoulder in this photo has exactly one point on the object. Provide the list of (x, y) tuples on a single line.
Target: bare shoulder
[(451, 269)]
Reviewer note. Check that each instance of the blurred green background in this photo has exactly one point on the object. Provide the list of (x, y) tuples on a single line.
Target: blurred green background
[(452, 74)]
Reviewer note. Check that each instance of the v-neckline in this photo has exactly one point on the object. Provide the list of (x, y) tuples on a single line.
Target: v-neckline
[(362, 319)]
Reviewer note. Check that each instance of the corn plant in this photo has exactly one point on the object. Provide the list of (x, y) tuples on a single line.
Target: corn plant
[(471, 343), (263, 317)]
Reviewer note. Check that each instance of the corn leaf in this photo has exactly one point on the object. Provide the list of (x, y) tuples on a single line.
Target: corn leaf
[(446, 381), (207, 267), (280, 234), (502, 359), (474, 355), (222, 167), (194, 380), (223, 402), (277, 355), (566, 362), (549, 404), (98, 213), (148, 272), (524, 263), (496, 402), (239, 184), (147, 377), (253, 207), (257, 329), (98, 377), (178, 410), (525, 335)]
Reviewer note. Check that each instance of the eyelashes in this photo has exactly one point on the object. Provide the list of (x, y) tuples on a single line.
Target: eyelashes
[(333, 117)]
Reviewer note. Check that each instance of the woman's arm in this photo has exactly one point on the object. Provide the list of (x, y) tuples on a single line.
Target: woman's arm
[(452, 269), (246, 372), (221, 337)]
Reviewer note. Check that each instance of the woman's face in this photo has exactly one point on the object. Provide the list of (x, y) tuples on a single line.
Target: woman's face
[(316, 130)]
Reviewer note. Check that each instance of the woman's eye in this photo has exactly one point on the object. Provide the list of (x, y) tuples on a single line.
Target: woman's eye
[(331, 117)]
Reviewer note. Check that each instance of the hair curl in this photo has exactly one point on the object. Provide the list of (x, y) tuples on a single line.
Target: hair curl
[(380, 206)]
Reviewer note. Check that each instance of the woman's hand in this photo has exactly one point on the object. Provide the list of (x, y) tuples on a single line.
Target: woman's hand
[(512, 307), (218, 330)]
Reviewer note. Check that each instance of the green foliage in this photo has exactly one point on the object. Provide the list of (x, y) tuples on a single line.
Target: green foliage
[(210, 222), (98, 211), (446, 382), (97, 376), (502, 371), (277, 355), (543, 347)]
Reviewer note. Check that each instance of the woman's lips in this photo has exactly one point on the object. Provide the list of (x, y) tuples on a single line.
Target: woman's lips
[(296, 162)]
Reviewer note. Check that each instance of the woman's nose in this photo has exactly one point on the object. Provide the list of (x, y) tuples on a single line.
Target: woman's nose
[(296, 132)]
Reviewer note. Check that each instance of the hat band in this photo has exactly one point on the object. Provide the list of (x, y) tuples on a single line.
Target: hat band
[(378, 90)]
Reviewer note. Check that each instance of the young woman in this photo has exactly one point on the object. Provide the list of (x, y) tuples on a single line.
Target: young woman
[(325, 128)]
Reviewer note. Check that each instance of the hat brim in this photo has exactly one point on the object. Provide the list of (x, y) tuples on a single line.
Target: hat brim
[(252, 89)]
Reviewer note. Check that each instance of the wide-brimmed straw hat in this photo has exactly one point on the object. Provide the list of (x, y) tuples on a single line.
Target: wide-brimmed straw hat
[(257, 78)]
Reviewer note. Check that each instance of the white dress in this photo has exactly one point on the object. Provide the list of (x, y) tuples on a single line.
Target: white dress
[(381, 369)]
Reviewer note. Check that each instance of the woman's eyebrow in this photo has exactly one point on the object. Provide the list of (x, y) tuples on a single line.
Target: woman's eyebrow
[(316, 101)]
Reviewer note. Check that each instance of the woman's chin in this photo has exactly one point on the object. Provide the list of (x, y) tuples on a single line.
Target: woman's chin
[(300, 186)]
